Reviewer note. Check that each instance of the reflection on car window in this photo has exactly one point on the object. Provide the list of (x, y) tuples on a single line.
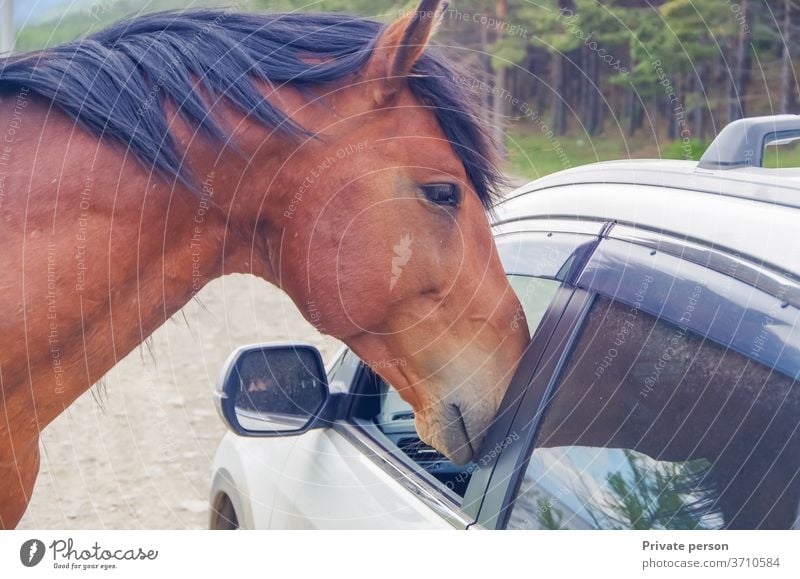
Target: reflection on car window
[(653, 426), (535, 295)]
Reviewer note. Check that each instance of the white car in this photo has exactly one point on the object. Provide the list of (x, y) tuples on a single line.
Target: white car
[(659, 389)]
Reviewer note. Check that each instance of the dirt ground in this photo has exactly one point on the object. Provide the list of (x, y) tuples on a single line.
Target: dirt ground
[(141, 457)]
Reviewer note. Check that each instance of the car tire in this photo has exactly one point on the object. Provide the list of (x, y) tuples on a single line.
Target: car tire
[(223, 517)]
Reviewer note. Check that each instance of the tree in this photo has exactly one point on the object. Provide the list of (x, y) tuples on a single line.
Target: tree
[(788, 77), (549, 22), (656, 495), (674, 49), (383, 9), (498, 100), (739, 73)]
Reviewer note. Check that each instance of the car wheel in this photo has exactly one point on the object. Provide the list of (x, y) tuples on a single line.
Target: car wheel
[(223, 516)]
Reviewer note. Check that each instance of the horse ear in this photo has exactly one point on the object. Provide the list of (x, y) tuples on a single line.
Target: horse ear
[(399, 46)]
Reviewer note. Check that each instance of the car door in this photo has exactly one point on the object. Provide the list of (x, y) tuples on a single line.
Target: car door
[(340, 478), (668, 401), (370, 470)]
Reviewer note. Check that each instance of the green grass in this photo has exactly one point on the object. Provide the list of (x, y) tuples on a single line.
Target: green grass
[(783, 156), (533, 155)]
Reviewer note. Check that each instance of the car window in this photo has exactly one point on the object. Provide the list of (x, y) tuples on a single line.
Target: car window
[(541, 254), (655, 425), (535, 295), (336, 363), (535, 263)]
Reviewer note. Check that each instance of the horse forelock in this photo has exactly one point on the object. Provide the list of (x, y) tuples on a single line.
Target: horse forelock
[(115, 82)]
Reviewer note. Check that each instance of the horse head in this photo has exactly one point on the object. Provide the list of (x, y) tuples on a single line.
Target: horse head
[(383, 241)]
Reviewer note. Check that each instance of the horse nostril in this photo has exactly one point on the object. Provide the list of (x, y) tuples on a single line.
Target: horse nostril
[(461, 423)]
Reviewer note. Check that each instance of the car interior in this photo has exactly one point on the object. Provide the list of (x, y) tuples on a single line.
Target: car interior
[(391, 420)]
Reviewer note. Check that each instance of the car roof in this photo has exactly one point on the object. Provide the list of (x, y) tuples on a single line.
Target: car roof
[(754, 183), (750, 211)]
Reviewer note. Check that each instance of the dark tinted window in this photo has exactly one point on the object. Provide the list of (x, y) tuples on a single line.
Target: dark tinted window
[(655, 426)]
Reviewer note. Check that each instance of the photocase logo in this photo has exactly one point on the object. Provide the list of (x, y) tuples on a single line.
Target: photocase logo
[(31, 552), (402, 253)]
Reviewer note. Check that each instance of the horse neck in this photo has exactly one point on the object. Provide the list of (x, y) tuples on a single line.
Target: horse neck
[(115, 248), (103, 252)]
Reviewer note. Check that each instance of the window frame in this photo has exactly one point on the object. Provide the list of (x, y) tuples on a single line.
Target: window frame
[(511, 464), (519, 417), (484, 501)]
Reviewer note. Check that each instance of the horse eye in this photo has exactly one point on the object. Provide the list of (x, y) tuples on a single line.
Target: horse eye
[(442, 194)]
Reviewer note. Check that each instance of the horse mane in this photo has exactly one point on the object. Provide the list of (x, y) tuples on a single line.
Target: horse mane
[(115, 82)]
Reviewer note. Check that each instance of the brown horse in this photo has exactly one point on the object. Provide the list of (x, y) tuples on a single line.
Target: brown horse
[(333, 156)]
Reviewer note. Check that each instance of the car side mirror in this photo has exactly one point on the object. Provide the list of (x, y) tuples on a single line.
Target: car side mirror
[(274, 390)]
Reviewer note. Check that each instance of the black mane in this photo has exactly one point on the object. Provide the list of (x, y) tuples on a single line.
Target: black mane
[(115, 82)]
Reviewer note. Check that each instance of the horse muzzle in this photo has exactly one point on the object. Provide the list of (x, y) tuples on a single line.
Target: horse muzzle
[(457, 428)]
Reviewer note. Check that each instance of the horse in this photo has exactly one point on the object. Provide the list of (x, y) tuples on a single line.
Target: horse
[(336, 157)]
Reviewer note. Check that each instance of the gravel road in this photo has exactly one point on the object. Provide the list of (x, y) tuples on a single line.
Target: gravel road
[(137, 454)]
